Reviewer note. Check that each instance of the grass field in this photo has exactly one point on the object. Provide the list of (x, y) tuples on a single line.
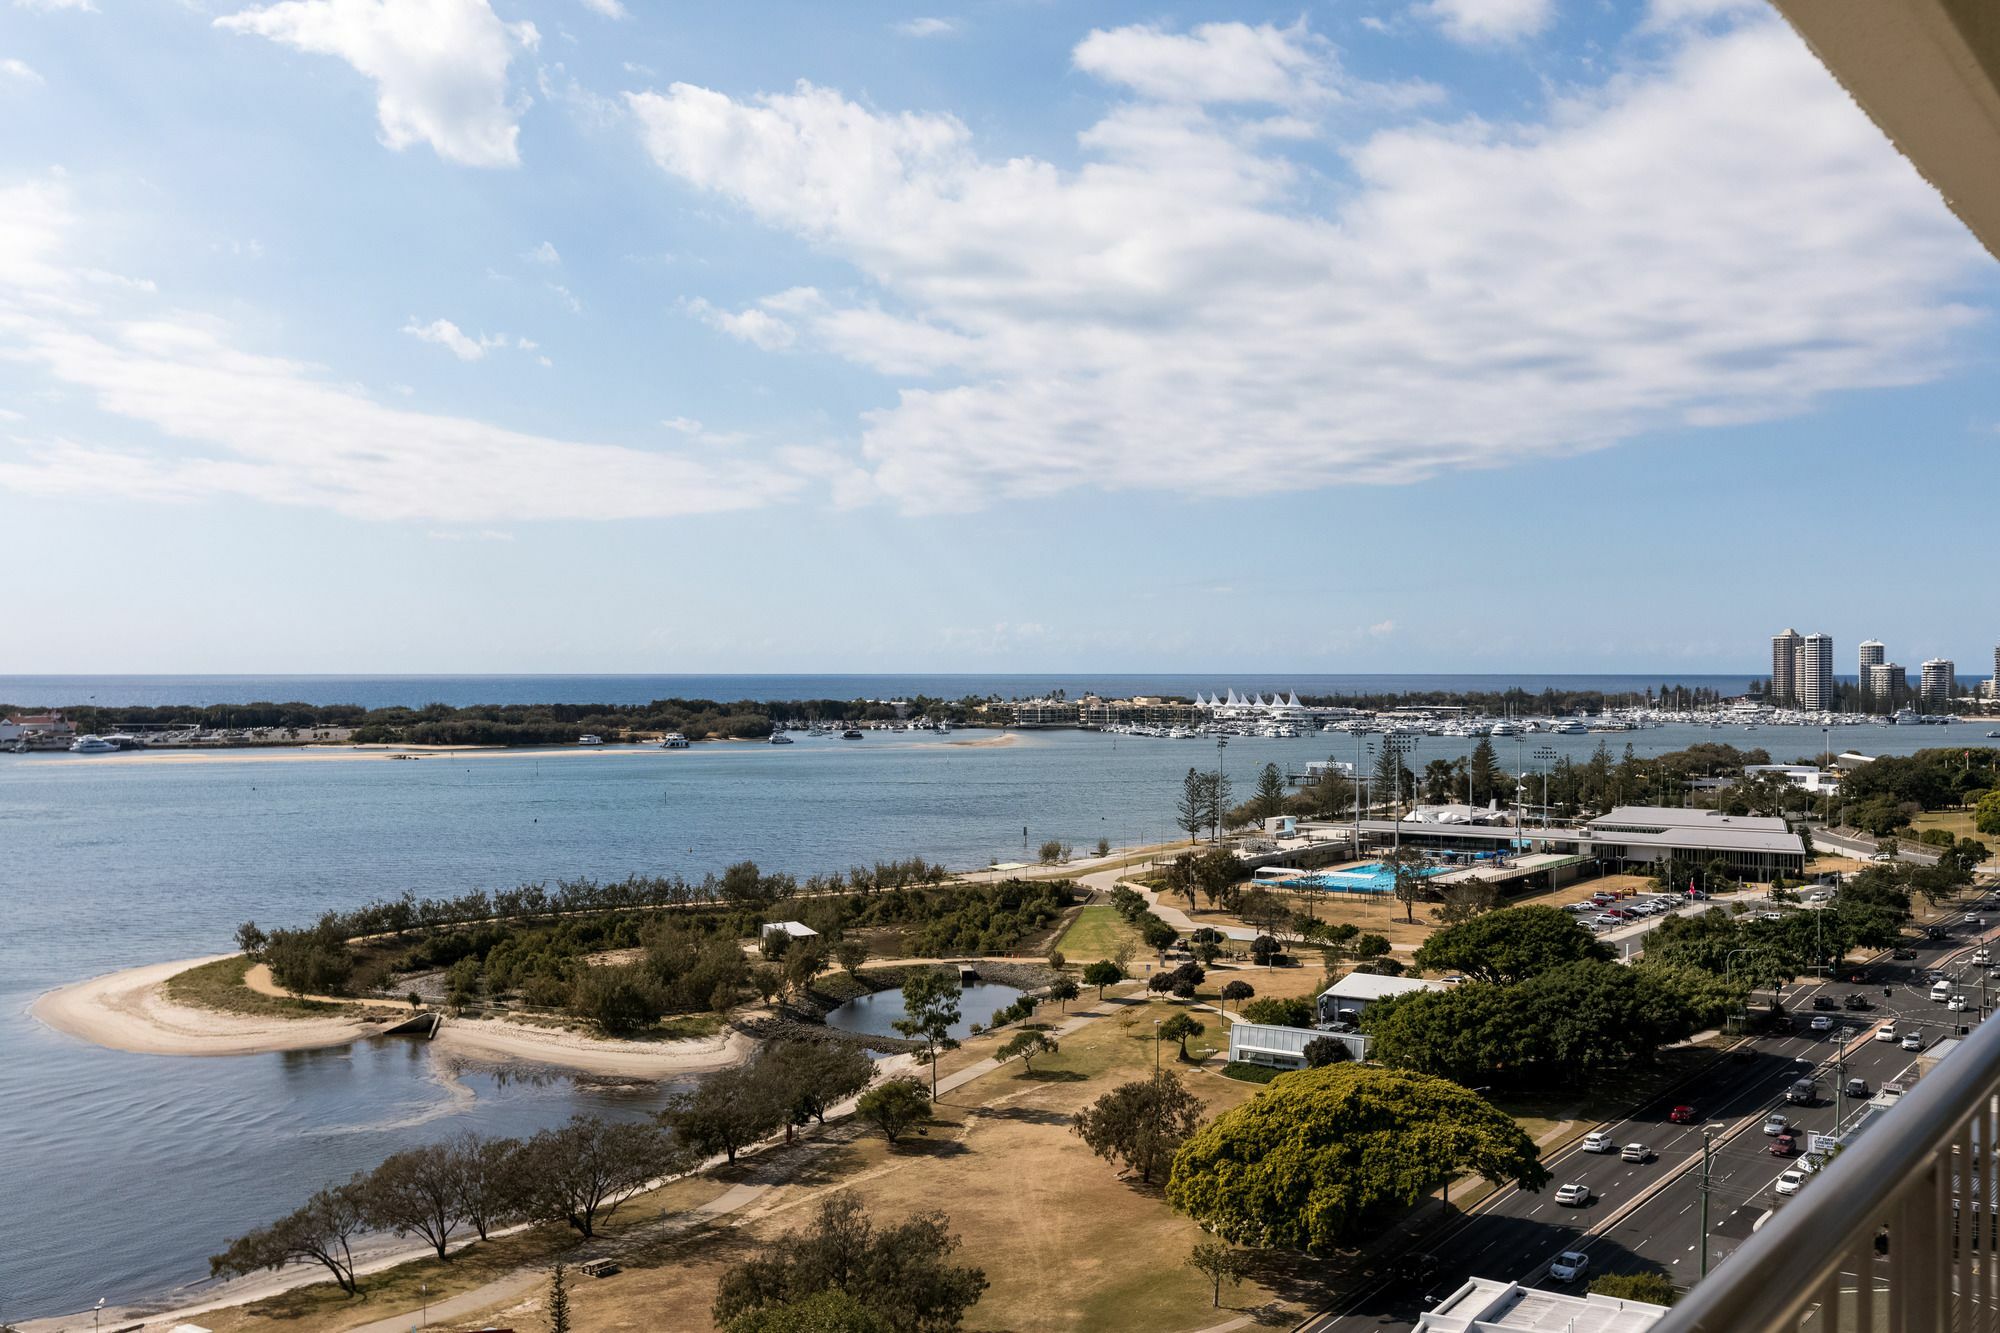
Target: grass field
[(219, 985), (1097, 931), (1956, 822)]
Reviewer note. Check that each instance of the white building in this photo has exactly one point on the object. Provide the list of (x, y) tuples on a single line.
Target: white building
[(1485, 1306), (1284, 1047), (1873, 653), (1785, 666), (1886, 680), (1938, 682), (798, 930), (1350, 996), (1814, 675), (1805, 777)]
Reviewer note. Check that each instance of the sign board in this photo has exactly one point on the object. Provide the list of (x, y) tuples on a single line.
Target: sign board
[(1822, 1143)]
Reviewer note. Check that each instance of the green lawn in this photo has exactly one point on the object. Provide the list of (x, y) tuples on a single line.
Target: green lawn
[(1957, 822), (1095, 933)]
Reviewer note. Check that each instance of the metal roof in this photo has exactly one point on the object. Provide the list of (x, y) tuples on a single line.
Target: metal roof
[(1483, 1305), (1369, 986)]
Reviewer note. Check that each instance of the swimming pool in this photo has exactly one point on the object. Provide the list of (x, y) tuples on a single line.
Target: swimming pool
[(1371, 878)]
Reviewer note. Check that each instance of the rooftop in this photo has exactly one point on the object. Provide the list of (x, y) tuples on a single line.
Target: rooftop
[(1483, 1305), (1368, 986)]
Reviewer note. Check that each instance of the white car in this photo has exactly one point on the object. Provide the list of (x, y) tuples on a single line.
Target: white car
[(1599, 1141), (1912, 1042), (1634, 1152), (1776, 1124), (1956, 1004), (1573, 1196), (1789, 1182), (1822, 1023), (1887, 1032), (1569, 1266), (1983, 956)]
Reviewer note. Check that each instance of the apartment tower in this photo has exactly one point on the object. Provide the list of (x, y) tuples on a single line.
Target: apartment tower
[(1938, 682), (1785, 666), (1813, 676)]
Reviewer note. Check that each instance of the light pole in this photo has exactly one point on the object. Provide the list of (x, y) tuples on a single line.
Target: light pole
[(1545, 755), (1220, 743), (1156, 1047), (1707, 1142)]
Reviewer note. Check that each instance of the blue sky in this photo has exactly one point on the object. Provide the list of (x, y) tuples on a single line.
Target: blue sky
[(586, 335)]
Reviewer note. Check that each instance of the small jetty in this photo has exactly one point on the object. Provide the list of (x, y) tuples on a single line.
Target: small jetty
[(422, 1025)]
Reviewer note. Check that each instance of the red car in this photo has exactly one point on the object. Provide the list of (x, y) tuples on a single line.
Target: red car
[(1784, 1146), (1683, 1115)]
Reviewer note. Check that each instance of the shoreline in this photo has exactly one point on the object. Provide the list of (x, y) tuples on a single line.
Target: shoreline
[(129, 1011), (327, 752)]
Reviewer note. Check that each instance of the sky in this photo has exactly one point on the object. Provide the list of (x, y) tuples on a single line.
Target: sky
[(1010, 335)]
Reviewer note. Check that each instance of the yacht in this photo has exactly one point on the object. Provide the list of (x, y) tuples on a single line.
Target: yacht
[(673, 740), (780, 738), (851, 734), (91, 745), (1505, 728), (1905, 717), (1569, 727), (589, 739), (944, 726)]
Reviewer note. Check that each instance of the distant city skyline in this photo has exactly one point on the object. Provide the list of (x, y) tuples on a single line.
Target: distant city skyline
[(1208, 337)]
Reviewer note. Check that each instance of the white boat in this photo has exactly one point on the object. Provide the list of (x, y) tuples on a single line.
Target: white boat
[(92, 745), (673, 740), (780, 738), (943, 727), (588, 739), (1904, 717), (1569, 727), (1505, 728)]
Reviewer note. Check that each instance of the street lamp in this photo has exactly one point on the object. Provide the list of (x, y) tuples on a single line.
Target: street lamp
[(1156, 1047), (1545, 755)]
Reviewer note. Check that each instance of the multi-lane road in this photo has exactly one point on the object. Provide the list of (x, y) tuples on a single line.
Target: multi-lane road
[(1646, 1216)]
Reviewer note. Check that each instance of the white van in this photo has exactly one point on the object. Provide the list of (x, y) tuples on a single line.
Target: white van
[(1940, 992)]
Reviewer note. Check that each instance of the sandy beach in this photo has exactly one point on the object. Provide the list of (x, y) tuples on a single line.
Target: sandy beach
[(130, 1011)]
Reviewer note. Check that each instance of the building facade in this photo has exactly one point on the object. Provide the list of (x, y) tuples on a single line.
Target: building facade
[(1938, 683), (1814, 675), (1785, 666), (1886, 682)]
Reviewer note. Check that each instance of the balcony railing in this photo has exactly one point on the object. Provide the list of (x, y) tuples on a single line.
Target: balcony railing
[(1897, 1233)]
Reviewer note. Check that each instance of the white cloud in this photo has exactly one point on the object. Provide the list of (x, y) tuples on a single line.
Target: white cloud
[(1217, 62), (545, 253), (439, 66), (683, 425), (1489, 20), (446, 334), (18, 73), (220, 419), (610, 9), (1721, 236), (50, 6), (926, 27), (566, 297), (1382, 629)]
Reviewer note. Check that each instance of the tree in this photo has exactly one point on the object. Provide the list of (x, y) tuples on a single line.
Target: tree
[(803, 1078), (1655, 1288), (895, 1107), (729, 1110), (1178, 1029), (1191, 811), (1219, 1264), (582, 1172), (804, 961), (1064, 989), (1142, 1123), (490, 1181), (419, 1191), (852, 954), (1292, 1011), (1509, 945), (900, 1274), (251, 940), (1217, 871), (767, 981), (1323, 1051), (930, 1009), (558, 1300), (1051, 852), (1236, 990), (1269, 799), (619, 999), (1986, 815), (1323, 1157), (1410, 881), (1216, 789), (1024, 1046), (319, 1232), (1103, 973), (1465, 900), (1484, 768), (821, 1312), (1179, 877)]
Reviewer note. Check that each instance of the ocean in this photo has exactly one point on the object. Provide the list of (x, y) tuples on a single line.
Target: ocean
[(114, 861)]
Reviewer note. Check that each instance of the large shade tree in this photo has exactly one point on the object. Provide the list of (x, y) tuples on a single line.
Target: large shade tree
[(1323, 1157)]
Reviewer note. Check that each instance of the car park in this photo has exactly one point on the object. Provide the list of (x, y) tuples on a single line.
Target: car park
[(1573, 1196), (1912, 1042), (1821, 1023), (1776, 1123), (1790, 1181), (1684, 1115), (1599, 1141), (1569, 1266), (1635, 1152)]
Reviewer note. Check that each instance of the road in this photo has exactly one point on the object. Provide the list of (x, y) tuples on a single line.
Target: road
[(1864, 847), (1648, 1215)]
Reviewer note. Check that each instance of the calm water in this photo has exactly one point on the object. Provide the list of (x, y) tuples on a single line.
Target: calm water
[(110, 862), (879, 1013)]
